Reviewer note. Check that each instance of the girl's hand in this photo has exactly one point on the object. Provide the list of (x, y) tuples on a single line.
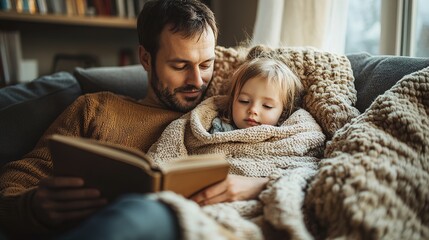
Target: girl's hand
[(233, 188)]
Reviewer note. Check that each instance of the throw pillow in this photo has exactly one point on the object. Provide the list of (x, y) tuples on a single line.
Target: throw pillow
[(376, 74), (128, 80)]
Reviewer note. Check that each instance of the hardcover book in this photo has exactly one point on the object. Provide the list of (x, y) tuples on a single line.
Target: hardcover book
[(117, 170)]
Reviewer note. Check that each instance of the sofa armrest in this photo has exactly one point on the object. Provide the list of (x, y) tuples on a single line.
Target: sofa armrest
[(27, 110)]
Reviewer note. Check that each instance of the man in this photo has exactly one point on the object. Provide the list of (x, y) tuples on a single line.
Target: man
[(177, 48), (177, 42)]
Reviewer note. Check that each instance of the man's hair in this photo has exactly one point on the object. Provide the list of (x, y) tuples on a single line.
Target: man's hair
[(261, 63), (188, 17)]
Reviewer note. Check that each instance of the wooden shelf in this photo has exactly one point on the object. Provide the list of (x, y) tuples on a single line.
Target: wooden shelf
[(96, 21)]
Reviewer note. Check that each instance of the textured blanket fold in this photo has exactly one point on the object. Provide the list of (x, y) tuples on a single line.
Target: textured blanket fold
[(287, 154), (373, 182), (256, 152)]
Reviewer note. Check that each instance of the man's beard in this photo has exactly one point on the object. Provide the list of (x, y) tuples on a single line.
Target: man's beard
[(170, 99)]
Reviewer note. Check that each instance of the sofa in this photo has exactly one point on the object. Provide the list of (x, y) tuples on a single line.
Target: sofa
[(26, 110)]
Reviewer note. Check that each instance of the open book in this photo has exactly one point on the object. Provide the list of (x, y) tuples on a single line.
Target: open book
[(116, 170)]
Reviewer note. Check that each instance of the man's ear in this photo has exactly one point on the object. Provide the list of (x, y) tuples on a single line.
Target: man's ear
[(145, 58)]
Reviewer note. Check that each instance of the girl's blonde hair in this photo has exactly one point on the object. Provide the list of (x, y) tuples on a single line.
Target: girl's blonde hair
[(261, 63)]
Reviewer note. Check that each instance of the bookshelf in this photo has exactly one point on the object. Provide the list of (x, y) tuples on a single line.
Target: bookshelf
[(102, 30), (45, 36), (96, 21)]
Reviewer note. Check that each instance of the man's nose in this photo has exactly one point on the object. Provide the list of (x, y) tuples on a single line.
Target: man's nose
[(194, 78)]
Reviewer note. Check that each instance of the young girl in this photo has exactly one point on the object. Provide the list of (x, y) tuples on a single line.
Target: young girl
[(264, 91), (271, 134)]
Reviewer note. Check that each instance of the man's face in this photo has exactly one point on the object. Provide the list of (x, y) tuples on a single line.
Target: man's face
[(183, 68)]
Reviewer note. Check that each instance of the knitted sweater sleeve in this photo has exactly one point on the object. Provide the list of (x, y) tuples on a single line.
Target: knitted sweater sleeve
[(19, 179), (103, 116)]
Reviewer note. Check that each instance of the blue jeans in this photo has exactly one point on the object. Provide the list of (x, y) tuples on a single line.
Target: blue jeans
[(131, 217)]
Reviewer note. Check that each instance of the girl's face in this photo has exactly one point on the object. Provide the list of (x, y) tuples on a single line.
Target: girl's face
[(257, 103)]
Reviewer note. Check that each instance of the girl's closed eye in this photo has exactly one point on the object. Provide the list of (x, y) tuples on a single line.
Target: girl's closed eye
[(244, 101), (267, 106)]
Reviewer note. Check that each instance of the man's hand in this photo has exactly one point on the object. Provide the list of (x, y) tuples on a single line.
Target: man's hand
[(233, 188), (62, 199)]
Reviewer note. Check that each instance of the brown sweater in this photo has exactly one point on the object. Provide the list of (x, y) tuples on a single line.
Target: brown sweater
[(102, 116)]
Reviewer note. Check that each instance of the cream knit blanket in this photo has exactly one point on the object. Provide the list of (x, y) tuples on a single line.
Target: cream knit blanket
[(372, 183), (374, 180), (253, 152), (286, 154)]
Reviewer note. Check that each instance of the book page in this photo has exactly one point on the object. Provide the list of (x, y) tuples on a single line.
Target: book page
[(194, 162), (190, 174)]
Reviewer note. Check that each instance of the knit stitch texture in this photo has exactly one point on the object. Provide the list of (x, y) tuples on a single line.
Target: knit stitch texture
[(373, 183)]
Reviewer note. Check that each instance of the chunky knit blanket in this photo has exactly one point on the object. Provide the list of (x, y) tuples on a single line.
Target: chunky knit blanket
[(286, 154), (254, 152), (374, 180)]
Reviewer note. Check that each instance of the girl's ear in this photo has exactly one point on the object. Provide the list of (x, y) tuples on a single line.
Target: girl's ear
[(145, 58)]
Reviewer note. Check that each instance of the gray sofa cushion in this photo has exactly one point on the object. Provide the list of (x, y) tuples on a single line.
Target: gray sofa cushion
[(376, 74), (27, 110), (128, 80)]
